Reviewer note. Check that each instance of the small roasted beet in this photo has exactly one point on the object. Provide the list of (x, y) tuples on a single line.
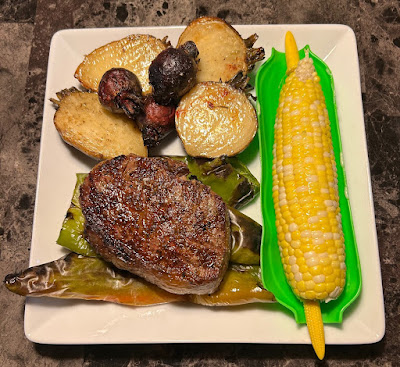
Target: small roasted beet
[(156, 122), (120, 91), (190, 48), (163, 116), (173, 73)]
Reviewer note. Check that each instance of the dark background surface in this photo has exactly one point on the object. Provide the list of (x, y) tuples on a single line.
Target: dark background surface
[(26, 28)]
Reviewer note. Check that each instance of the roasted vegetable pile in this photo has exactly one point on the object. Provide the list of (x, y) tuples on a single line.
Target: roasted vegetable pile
[(145, 79)]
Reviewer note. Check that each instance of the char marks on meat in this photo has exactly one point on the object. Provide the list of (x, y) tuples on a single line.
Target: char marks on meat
[(145, 216)]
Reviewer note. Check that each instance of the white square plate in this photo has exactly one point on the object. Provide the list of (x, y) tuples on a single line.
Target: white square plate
[(55, 321)]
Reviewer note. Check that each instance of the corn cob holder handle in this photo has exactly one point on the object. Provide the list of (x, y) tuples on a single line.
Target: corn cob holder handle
[(269, 81)]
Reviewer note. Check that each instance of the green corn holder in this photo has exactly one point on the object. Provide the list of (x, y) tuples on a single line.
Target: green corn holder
[(269, 80)]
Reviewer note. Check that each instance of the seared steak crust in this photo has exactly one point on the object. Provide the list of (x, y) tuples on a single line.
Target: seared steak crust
[(145, 216)]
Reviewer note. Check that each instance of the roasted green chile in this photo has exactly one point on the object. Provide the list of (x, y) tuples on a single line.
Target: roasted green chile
[(80, 277), (71, 233), (241, 285), (246, 239), (227, 176)]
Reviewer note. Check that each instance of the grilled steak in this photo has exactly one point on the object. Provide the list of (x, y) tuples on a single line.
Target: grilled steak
[(145, 216)]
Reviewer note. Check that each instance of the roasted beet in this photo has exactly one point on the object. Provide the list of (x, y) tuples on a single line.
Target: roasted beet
[(173, 73), (156, 122), (120, 91)]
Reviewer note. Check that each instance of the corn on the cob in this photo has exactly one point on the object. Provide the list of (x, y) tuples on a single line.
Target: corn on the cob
[(305, 192)]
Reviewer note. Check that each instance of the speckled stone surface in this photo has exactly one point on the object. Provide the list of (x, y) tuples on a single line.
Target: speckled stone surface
[(26, 28)]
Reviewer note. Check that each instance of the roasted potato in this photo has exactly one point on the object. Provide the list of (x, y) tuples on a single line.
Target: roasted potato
[(215, 119), (135, 53), (223, 53), (85, 124)]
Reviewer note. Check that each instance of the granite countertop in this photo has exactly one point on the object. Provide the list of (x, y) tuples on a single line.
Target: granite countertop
[(26, 28)]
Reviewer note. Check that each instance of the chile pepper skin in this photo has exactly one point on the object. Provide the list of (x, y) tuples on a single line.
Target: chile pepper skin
[(80, 277), (227, 176), (90, 278)]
